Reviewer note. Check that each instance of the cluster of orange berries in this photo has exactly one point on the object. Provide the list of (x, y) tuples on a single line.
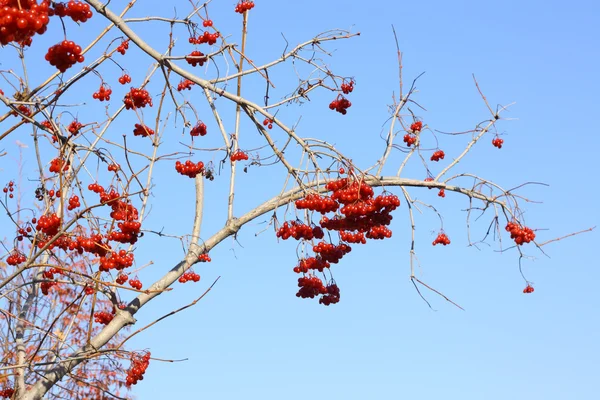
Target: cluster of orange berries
[(520, 234), (340, 104), (298, 230), (438, 155), (348, 87), (73, 202), (114, 167), (497, 142), (244, 6), (103, 317), (58, 164), (238, 155), (64, 55), (22, 19), (103, 93), (123, 47), (135, 283), (411, 137), (124, 79), (116, 260), (330, 252), (311, 263), (185, 84), (199, 129), (142, 130), (48, 224), (74, 127), (196, 58), (528, 289), (189, 276), (189, 168), (137, 98), (441, 238), (268, 123), (315, 202), (138, 367), (77, 10), (9, 188), (206, 37), (121, 279), (204, 257), (15, 258)]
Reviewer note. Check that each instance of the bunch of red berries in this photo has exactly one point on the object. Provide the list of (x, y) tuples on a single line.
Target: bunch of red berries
[(77, 10), (332, 296), (15, 258), (189, 276), (442, 193), (207, 23), (189, 168), (438, 155), (196, 57), (528, 289), (520, 234), (350, 237), (310, 287), (58, 164), (138, 367), (123, 47), (298, 230), (124, 79), (49, 273), (73, 202), (103, 317), (441, 238), (206, 37), (21, 19), (497, 142), (199, 129), (74, 127), (340, 104), (9, 188), (204, 257), (268, 123), (244, 6), (64, 55), (116, 260), (135, 283), (137, 98), (114, 167), (311, 263), (103, 93), (315, 202), (46, 286), (330, 252), (121, 279), (410, 139), (238, 155), (142, 130), (185, 84), (416, 127), (7, 392), (49, 224), (347, 87), (379, 232)]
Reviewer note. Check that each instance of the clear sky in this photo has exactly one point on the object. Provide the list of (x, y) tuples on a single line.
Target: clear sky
[(251, 338)]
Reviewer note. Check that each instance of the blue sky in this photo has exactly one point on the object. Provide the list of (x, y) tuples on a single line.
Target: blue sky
[(251, 338)]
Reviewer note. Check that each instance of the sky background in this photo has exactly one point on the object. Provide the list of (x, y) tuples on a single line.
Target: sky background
[(251, 338)]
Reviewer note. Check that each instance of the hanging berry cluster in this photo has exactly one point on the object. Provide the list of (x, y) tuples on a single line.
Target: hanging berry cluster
[(207, 23), (74, 127), (199, 129), (142, 130), (116, 260), (135, 283), (58, 164), (189, 276), (137, 98), (348, 87), (15, 258), (438, 155), (189, 169), (441, 238), (7, 392), (77, 10), (196, 58), (244, 6), (103, 317), (340, 104), (124, 79), (497, 142), (206, 37), (64, 55), (73, 202), (298, 230), (268, 123), (138, 367), (123, 47), (185, 84), (204, 257), (520, 234), (528, 289), (103, 93), (121, 279), (9, 188), (238, 155), (22, 19)]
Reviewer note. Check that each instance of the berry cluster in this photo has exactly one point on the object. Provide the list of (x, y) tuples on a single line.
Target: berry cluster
[(77, 10), (189, 276), (46, 286), (185, 84), (268, 123), (23, 232), (315, 202), (311, 263), (74, 127), (199, 129), (9, 188), (350, 237), (416, 127), (438, 155), (238, 155), (114, 167), (298, 230), (64, 55), (138, 367), (58, 164), (497, 142), (103, 317), (206, 37), (441, 238), (528, 289), (379, 232), (244, 6), (7, 392), (340, 104), (21, 19), (103, 93), (48, 224), (410, 139), (189, 168), (73, 202), (348, 87), (442, 193), (520, 234), (207, 23), (116, 260), (121, 279), (310, 287), (196, 58), (123, 47), (137, 98), (124, 79), (204, 257), (331, 253), (121, 211), (332, 296), (15, 258), (135, 283), (142, 130)]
